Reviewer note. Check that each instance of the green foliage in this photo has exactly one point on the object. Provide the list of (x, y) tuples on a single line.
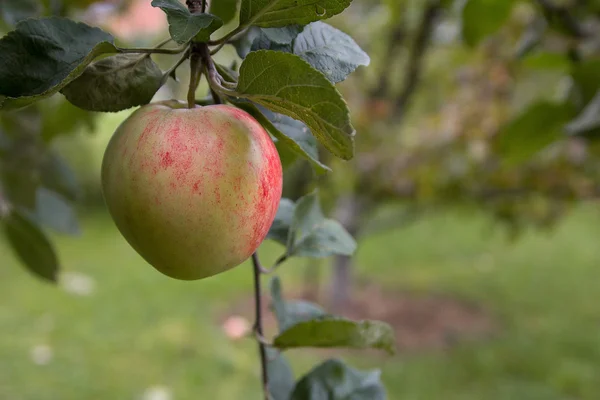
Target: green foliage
[(115, 83), (290, 313), (40, 57), (481, 18), (31, 245), (286, 84), (276, 13), (224, 9), (185, 26), (533, 130), (281, 376), (334, 380)]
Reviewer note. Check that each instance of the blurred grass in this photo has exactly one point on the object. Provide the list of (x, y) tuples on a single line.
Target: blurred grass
[(138, 329)]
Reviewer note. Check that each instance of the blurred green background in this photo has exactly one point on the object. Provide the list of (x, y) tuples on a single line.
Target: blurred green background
[(477, 234)]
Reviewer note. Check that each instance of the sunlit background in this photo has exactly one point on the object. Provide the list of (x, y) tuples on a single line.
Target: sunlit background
[(489, 275)]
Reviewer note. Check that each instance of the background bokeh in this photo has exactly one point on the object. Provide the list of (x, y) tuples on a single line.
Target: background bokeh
[(476, 243)]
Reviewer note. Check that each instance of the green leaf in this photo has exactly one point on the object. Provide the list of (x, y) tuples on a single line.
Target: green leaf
[(185, 26), (481, 18), (281, 376), (588, 121), (58, 176), (55, 212), (42, 56), (224, 9), (334, 380), (586, 75), (334, 332), (276, 13), (329, 50), (115, 83), (290, 313), (243, 43), (31, 245), (286, 84), (307, 216), (289, 133), (13, 11), (283, 35), (533, 130), (326, 239), (547, 60), (283, 219)]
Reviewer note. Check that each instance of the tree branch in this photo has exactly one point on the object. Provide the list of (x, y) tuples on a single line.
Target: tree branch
[(258, 327)]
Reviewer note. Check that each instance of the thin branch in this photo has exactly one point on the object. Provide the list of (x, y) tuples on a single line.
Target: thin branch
[(258, 327), (417, 53), (195, 74), (152, 50)]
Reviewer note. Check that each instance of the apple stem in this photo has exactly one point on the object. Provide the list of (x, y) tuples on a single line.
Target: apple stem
[(195, 73), (258, 324)]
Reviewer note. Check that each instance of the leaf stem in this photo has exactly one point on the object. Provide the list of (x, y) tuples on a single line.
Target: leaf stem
[(154, 50), (242, 28), (258, 327), (195, 73)]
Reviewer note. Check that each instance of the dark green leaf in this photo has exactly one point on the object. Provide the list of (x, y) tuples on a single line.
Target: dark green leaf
[(283, 35), (58, 176), (588, 120), (276, 13), (41, 56), (184, 26), (329, 50), (31, 245), (281, 376), (333, 332), (286, 84), (334, 380), (481, 18), (290, 313), (586, 75), (224, 9), (289, 133), (115, 83), (55, 212), (533, 130), (283, 219), (13, 11)]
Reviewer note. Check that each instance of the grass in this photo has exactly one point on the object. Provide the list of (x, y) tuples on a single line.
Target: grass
[(138, 329)]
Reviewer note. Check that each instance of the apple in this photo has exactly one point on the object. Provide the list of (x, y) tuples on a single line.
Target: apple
[(193, 191)]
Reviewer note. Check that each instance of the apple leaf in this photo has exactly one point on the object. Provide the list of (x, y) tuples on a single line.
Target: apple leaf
[(286, 84), (57, 175), (41, 56), (53, 211), (290, 313), (115, 83), (334, 380), (335, 332), (185, 26), (283, 219), (289, 133), (31, 245), (224, 9), (481, 18), (276, 13), (281, 376)]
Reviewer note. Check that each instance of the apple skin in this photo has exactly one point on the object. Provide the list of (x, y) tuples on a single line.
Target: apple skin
[(193, 191)]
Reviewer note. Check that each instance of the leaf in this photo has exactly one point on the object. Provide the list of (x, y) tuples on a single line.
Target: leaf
[(286, 84), (61, 118), (289, 133), (281, 376), (115, 83), (276, 13), (14, 11), (334, 332), (481, 18), (533, 130), (586, 75), (56, 213), (243, 44), (588, 120), (290, 313), (283, 35), (329, 50), (326, 239), (41, 56), (281, 223), (58, 176), (307, 215), (185, 26), (334, 380), (224, 9), (31, 246)]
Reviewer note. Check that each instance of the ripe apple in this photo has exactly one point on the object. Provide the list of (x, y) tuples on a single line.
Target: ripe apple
[(193, 191)]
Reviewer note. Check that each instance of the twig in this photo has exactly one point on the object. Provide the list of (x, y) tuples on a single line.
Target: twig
[(242, 28), (417, 53), (258, 327), (152, 50)]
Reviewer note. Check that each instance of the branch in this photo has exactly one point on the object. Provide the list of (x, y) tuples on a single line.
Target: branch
[(562, 13), (258, 327), (417, 53)]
